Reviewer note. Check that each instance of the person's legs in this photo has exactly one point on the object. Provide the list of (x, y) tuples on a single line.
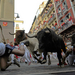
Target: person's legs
[(26, 57), (70, 60), (12, 57), (25, 61), (18, 59), (4, 64), (66, 54)]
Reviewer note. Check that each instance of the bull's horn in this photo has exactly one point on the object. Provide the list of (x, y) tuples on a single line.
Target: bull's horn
[(12, 33), (69, 36), (31, 36), (47, 30)]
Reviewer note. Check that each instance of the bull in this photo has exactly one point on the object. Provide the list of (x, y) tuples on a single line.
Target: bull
[(49, 41), (32, 44)]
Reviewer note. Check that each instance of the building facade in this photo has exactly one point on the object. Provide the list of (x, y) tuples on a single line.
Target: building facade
[(58, 15), (65, 16), (7, 18), (46, 18)]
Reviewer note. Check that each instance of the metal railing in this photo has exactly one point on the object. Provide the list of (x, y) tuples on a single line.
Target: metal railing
[(57, 4), (65, 26), (60, 14), (65, 10)]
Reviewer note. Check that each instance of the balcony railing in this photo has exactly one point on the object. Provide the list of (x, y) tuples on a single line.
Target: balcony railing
[(60, 14), (61, 0), (43, 15), (51, 19), (56, 28), (57, 3), (44, 23), (65, 9), (65, 26), (50, 9)]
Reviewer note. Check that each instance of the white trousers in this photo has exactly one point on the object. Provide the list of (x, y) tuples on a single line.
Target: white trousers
[(2, 49), (71, 59), (27, 54)]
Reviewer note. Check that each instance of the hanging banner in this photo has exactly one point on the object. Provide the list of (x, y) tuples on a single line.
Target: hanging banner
[(5, 23)]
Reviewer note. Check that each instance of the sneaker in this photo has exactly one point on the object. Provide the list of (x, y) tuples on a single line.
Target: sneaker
[(58, 64), (15, 62), (10, 47), (25, 62), (64, 63)]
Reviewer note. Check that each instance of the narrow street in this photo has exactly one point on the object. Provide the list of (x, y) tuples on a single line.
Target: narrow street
[(38, 69)]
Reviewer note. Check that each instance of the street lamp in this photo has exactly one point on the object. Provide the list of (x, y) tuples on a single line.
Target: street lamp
[(17, 16)]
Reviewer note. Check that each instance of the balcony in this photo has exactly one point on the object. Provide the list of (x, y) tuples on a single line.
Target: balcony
[(53, 16), (50, 9), (61, 0), (43, 15), (60, 14), (65, 9), (51, 19), (57, 3), (65, 26), (56, 28), (44, 23)]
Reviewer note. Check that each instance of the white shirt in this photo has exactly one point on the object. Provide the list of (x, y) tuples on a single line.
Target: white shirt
[(2, 49)]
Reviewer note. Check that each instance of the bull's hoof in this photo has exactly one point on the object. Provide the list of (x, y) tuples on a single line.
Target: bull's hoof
[(60, 66), (35, 52), (43, 62), (49, 63)]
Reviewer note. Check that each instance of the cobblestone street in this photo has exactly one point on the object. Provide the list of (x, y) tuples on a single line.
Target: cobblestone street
[(38, 69)]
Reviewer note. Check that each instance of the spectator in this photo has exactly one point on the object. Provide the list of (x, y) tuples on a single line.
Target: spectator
[(17, 57), (27, 55), (67, 22), (70, 20), (71, 53)]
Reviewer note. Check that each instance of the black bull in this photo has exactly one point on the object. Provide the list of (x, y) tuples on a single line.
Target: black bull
[(49, 41)]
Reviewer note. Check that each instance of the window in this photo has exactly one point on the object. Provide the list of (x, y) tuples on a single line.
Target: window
[(61, 21), (67, 16), (64, 3), (59, 9)]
